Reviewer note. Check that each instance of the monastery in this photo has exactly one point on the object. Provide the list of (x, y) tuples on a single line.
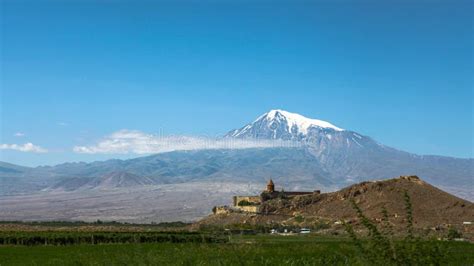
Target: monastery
[(251, 204)]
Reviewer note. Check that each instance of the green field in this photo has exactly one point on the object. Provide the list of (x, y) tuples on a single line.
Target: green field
[(241, 250)]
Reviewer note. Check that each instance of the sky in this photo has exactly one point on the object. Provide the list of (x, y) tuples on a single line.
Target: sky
[(74, 73)]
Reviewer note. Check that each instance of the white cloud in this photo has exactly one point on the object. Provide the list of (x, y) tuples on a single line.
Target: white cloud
[(132, 141), (27, 147), (63, 124), (19, 134)]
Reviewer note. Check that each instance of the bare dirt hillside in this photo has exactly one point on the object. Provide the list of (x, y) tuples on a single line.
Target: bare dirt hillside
[(431, 206), (433, 209)]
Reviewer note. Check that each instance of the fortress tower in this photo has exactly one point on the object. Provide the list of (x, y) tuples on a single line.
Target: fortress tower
[(270, 186)]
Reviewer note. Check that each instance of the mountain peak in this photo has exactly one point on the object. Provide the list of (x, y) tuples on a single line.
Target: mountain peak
[(301, 122), (281, 124)]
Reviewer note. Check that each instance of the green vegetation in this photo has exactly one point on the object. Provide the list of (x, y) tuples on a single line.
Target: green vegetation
[(241, 250), (453, 233), (247, 203), (240, 244), (98, 222), (299, 218), (74, 238), (321, 225)]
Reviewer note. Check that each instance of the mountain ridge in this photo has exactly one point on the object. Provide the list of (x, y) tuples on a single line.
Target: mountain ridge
[(329, 157)]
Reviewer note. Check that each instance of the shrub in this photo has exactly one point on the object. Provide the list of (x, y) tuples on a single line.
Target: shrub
[(381, 248), (246, 203), (453, 233), (299, 218), (320, 225)]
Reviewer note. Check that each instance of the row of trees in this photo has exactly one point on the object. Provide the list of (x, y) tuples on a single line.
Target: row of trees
[(71, 238)]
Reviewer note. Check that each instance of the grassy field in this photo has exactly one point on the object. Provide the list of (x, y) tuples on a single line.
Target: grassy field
[(241, 250)]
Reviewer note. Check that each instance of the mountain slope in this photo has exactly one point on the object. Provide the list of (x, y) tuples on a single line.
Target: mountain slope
[(107, 181), (327, 157), (348, 156), (8, 169), (290, 167)]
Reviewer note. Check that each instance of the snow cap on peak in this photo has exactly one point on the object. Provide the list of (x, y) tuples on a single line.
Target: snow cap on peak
[(301, 122)]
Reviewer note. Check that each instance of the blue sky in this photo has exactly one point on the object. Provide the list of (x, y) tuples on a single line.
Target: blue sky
[(73, 73)]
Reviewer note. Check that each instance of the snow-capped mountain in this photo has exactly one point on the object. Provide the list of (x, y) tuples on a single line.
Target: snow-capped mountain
[(280, 124), (319, 134), (326, 157), (346, 155)]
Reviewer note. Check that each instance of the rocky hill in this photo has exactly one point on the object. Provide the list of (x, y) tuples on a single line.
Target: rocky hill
[(433, 209)]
